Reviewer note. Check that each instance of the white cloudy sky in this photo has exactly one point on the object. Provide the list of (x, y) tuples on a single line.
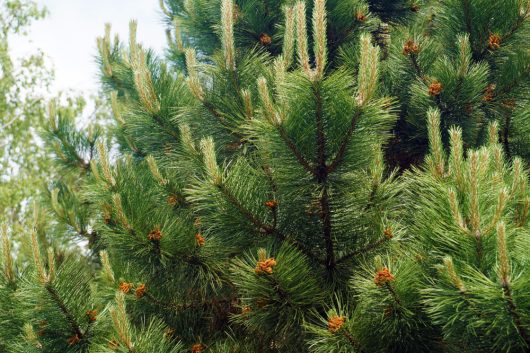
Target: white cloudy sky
[(68, 35)]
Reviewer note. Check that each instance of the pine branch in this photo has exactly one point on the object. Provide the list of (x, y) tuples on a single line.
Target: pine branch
[(64, 310), (520, 21), (517, 25), (274, 189), (506, 135), (275, 120), (479, 247), (322, 171), (299, 157), (263, 226), (350, 338), (322, 178), (211, 108), (512, 310), (417, 68), (245, 212), (82, 164), (363, 250), (393, 293), (235, 80), (326, 219), (167, 128), (419, 72), (344, 145), (303, 249)]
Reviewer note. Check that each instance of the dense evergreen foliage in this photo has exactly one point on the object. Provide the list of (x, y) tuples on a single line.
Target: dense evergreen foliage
[(319, 176)]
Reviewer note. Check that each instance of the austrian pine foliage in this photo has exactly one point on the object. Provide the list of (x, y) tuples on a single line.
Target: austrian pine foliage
[(318, 176)]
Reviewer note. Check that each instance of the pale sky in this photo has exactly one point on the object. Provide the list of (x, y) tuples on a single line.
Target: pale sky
[(68, 35)]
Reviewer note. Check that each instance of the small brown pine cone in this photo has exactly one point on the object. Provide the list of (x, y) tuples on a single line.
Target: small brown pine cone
[(410, 47), (335, 323), (383, 276), (265, 39), (360, 16), (435, 88), (494, 41), (140, 291), (155, 235), (199, 239), (91, 314), (271, 204), (265, 266), (172, 200), (197, 348), (489, 92), (125, 287)]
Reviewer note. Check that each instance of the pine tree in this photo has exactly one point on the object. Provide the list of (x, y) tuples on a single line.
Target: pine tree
[(245, 201)]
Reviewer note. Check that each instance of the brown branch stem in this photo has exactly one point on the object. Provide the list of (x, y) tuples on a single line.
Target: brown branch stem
[(64, 310)]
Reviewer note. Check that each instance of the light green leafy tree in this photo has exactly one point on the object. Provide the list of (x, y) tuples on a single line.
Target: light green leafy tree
[(23, 83)]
